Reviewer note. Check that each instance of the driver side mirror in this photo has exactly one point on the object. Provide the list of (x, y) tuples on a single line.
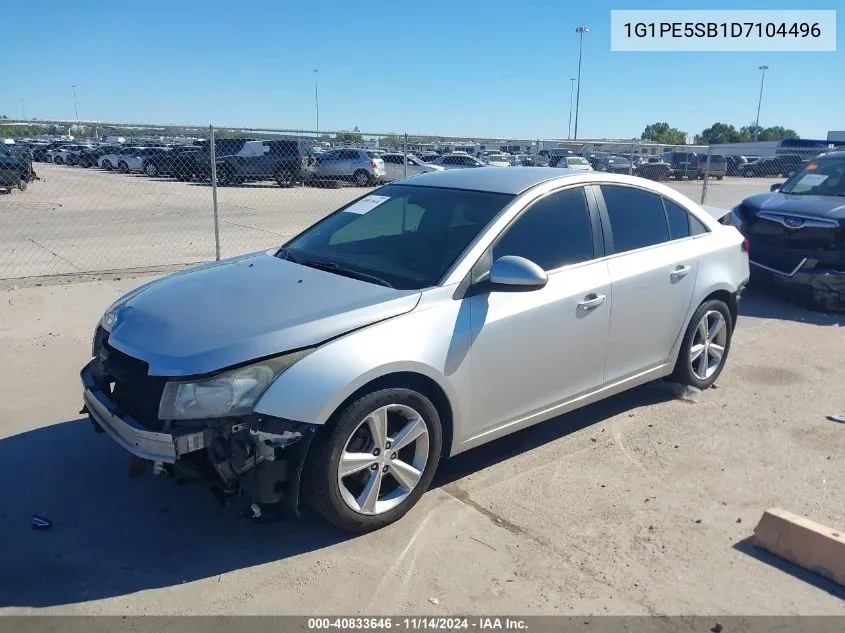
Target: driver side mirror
[(512, 273), (776, 186)]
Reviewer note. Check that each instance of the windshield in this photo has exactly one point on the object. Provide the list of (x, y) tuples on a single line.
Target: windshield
[(825, 177), (389, 234), (575, 160)]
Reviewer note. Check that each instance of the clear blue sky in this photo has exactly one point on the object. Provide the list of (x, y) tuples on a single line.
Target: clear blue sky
[(469, 67)]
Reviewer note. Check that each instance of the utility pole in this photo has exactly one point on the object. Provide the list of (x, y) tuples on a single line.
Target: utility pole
[(23, 110), (580, 30), (571, 92), (763, 70), (75, 108), (317, 99)]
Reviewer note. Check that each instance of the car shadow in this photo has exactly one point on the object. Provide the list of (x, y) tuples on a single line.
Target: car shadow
[(112, 535), (771, 302), (747, 547)]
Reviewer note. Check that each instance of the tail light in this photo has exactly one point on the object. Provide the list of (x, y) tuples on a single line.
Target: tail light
[(373, 164), (746, 246)]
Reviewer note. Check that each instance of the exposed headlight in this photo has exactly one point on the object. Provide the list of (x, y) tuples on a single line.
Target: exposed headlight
[(234, 392)]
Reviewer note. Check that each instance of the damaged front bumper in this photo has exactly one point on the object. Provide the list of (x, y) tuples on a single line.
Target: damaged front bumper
[(251, 461), (825, 287)]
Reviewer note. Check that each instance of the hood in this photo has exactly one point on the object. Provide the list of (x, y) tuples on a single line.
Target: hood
[(820, 206), (211, 317)]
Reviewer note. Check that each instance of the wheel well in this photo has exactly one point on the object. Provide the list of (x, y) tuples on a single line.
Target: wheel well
[(417, 382), (729, 299)]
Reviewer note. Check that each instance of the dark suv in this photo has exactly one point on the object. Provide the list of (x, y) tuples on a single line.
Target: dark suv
[(197, 163), (285, 161), (781, 165), (681, 164)]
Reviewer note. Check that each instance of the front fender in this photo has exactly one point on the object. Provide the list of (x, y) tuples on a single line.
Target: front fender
[(433, 340)]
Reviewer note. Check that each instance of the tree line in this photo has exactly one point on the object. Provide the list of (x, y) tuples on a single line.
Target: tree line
[(662, 132)]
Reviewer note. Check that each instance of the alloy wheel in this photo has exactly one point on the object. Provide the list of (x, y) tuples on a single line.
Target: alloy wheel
[(708, 345), (383, 460)]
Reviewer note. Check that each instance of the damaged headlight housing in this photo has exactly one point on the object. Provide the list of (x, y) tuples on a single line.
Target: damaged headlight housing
[(234, 392)]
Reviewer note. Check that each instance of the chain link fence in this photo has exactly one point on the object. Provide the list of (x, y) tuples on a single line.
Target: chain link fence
[(108, 197)]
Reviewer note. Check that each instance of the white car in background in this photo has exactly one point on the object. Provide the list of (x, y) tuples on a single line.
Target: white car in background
[(136, 160), (575, 162), (498, 160), (394, 166), (457, 160), (110, 161)]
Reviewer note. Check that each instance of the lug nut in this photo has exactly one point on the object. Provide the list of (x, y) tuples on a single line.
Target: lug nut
[(374, 467), (376, 452), (385, 469), (393, 456), (387, 445)]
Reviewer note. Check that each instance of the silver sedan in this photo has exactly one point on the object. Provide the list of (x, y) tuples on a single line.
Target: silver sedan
[(417, 322)]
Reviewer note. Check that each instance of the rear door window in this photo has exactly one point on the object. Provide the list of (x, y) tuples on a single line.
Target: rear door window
[(637, 218)]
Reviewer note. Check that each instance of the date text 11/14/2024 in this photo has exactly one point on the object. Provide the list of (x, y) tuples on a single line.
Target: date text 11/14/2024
[(420, 623)]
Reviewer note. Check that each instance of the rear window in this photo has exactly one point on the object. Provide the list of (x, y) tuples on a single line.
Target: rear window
[(372, 154)]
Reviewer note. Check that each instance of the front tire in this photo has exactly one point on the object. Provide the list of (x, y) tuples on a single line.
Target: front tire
[(706, 344), (375, 461), (151, 170), (122, 167), (107, 165)]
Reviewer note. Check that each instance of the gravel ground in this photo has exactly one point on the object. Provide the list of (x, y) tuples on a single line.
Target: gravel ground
[(76, 221), (641, 504)]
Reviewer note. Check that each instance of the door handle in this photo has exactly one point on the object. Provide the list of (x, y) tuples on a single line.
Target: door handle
[(591, 301), (680, 272)]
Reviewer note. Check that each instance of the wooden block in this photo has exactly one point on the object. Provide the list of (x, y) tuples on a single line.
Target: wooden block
[(813, 546)]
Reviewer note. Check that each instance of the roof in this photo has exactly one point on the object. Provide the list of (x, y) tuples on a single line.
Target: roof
[(512, 180)]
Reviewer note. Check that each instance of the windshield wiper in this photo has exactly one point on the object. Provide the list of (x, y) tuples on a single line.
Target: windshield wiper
[(342, 270)]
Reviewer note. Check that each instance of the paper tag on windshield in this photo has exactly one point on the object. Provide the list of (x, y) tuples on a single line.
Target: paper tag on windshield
[(367, 204), (811, 180)]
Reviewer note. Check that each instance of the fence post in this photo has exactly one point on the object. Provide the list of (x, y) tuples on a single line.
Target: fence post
[(405, 153), (213, 155), (631, 159), (706, 176)]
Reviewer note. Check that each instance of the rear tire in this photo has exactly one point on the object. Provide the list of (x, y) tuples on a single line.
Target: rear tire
[(362, 178), (707, 339), (151, 170), (107, 165), (58, 160), (333, 496), (22, 185), (122, 167)]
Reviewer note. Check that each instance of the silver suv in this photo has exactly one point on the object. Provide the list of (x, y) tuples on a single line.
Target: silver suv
[(358, 165)]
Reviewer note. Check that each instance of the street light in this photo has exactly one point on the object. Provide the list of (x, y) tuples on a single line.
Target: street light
[(23, 110), (763, 70), (317, 99), (580, 30), (75, 108), (571, 90)]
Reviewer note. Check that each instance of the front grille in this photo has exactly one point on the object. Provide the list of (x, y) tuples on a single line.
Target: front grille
[(133, 390), (768, 233)]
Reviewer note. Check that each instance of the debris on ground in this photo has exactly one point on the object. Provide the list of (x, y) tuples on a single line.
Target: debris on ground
[(837, 417), (41, 523), (434, 601)]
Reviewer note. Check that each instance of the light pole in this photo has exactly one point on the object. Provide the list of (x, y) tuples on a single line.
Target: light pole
[(571, 90), (763, 70), (23, 110), (580, 30), (317, 99), (75, 108)]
